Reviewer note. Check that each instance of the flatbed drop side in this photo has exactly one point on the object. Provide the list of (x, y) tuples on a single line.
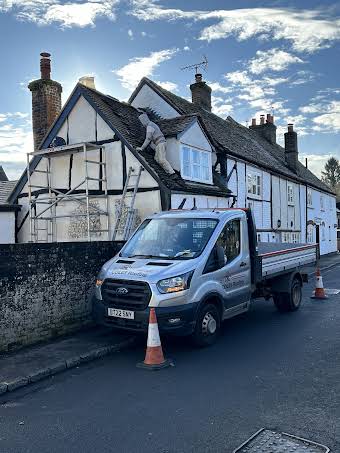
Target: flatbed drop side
[(197, 268)]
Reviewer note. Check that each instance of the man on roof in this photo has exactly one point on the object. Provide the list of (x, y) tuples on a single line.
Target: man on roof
[(155, 138)]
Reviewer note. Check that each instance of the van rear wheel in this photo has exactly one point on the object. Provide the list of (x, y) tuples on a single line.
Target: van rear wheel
[(208, 325), (289, 301)]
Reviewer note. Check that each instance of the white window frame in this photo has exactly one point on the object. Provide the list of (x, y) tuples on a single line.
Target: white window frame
[(257, 183), (309, 197), (322, 202), (191, 164), (290, 194), (330, 203), (295, 238), (310, 234)]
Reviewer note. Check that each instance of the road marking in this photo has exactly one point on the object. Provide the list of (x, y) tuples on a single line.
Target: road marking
[(267, 441)]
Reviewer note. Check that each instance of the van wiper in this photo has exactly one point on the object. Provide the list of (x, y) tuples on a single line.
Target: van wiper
[(144, 256)]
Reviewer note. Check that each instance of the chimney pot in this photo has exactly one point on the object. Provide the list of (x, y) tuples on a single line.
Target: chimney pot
[(290, 127), (201, 93), (45, 65), (269, 118), (267, 129)]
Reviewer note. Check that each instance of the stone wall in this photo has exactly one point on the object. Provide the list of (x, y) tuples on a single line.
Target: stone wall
[(44, 289)]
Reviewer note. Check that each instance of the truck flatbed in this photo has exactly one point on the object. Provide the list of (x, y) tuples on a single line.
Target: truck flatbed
[(281, 258)]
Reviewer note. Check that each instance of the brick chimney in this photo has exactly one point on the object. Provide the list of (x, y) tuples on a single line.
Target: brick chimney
[(266, 129), (291, 148), (201, 93), (46, 100)]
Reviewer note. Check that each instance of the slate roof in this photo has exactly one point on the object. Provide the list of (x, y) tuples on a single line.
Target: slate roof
[(123, 117), (6, 188), (236, 140)]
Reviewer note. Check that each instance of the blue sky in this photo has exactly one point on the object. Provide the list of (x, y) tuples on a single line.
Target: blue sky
[(263, 55)]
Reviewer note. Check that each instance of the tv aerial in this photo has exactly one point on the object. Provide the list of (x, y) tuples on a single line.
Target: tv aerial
[(202, 64)]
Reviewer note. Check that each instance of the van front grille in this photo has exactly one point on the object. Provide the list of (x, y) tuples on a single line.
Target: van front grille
[(126, 294)]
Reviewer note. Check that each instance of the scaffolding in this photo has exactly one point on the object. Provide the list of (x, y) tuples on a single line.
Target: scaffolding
[(43, 221)]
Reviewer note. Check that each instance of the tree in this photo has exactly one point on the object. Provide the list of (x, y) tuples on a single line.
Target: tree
[(331, 174)]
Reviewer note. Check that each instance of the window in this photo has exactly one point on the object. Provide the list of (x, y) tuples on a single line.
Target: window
[(196, 164), (309, 197), (285, 237), (254, 184), (322, 202), (310, 234), (290, 194), (170, 238), (330, 203), (323, 233), (295, 238), (230, 239)]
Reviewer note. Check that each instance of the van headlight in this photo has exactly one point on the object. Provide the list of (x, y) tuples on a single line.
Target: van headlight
[(175, 284)]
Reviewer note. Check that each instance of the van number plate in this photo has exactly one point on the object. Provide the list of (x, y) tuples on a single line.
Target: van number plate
[(117, 313)]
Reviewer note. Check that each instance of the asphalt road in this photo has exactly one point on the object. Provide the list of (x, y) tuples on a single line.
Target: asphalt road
[(268, 370)]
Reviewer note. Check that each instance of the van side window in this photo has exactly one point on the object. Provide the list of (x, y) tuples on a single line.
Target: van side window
[(230, 239)]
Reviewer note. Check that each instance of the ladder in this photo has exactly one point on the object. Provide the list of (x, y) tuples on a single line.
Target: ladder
[(129, 193)]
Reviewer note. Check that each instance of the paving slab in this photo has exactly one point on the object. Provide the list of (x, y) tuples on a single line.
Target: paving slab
[(37, 362)]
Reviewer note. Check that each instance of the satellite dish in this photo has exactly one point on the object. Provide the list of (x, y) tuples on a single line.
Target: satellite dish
[(57, 141)]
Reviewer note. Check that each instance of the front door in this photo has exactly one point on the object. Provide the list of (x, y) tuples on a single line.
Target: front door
[(234, 277)]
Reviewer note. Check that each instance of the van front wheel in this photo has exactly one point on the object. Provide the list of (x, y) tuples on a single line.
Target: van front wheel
[(208, 325)]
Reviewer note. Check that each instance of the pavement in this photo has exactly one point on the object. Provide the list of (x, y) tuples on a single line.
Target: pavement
[(32, 364), (279, 371), (38, 362)]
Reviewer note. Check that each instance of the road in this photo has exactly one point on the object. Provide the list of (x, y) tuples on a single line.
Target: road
[(267, 370)]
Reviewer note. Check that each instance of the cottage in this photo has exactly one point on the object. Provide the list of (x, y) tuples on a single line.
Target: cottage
[(75, 184), (7, 211)]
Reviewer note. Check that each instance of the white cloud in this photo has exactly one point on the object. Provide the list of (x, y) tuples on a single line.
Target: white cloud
[(218, 88), (328, 110), (306, 30), (170, 86), (44, 12), (238, 77), (186, 48), (139, 67), (273, 60), (130, 33), (220, 106), (258, 93), (15, 141)]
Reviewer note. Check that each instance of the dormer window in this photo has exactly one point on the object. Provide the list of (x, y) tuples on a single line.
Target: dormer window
[(196, 164)]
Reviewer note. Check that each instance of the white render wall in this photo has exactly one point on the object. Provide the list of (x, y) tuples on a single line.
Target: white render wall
[(7, 227), (84, 124)]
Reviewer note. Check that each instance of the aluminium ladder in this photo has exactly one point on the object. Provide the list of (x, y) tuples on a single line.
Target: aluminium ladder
[(129, 192)]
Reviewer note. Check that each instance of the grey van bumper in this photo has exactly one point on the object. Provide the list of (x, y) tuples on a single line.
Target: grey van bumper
[(177, 320)]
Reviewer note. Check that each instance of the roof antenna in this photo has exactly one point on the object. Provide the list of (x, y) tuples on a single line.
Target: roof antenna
[(202, 64)]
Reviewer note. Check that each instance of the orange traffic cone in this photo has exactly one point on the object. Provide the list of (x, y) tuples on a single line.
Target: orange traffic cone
[(319, 292), (154, 358)]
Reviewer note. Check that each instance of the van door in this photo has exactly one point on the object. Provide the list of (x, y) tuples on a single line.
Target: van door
[(234, 277)]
